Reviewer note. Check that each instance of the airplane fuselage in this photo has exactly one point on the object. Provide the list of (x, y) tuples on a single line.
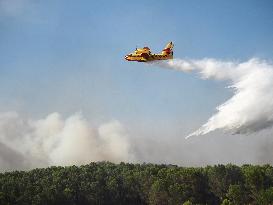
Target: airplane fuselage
[(145, 58)]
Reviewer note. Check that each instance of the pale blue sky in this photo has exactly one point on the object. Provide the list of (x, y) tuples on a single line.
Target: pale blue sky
[(68, 56)]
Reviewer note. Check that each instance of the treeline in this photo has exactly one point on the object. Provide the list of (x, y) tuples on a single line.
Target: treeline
[(130, 184)]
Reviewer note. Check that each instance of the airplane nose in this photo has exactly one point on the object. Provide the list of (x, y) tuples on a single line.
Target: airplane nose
[(126, 57)]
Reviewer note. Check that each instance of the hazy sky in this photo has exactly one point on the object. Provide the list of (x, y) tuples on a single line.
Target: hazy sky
[(68, 56)]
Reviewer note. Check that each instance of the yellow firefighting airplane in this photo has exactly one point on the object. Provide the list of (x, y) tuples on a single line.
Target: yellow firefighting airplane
[(145, 55)]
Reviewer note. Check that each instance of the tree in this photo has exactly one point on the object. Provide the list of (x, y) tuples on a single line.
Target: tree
[(236, 194), (187, 203), (105, 183), (158, 194), (226, 202), (265, 197)]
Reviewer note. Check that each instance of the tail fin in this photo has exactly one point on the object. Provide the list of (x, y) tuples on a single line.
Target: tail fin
[(168, 50)]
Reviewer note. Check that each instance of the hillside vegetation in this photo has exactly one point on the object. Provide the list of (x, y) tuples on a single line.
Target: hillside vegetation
[(108, 183)]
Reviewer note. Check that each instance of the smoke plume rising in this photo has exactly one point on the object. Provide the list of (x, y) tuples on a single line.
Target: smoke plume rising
[(26, 143), (250, 109)]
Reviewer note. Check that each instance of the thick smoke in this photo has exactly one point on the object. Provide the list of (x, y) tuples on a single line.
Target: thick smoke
[(250, 109), (26, 143)]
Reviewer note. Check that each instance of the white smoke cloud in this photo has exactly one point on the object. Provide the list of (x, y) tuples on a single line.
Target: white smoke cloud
[(26, 143), (250, 109)]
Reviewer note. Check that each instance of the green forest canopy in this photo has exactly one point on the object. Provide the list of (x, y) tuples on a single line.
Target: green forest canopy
[(108, 183)]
